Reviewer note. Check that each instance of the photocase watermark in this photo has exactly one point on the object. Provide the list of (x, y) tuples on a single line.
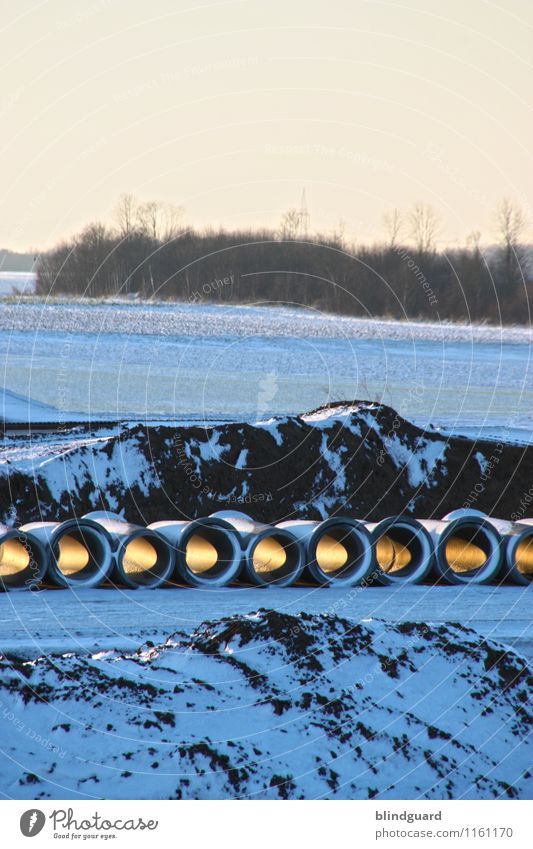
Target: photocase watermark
[(32, 822), (29, 732), (487, 470), (526, 499), (66, 824), (337, 152), (212, 286), (166, 78), (267, 390), (418, 273), (248, 498), (414, 394)]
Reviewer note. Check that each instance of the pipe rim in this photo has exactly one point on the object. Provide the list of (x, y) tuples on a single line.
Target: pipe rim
[(224, 575), (103, 562), (359, 567), (483, 574), (151, 577), (410, 574), (514, 573), (34, 578), (287, 574)]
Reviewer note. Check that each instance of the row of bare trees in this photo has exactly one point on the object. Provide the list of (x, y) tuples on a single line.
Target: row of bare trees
[(148, 252)]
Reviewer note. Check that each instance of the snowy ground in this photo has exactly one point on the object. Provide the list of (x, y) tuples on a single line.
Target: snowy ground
[(17, 283), (207, 362), (32, 624), (268, 705), (215, 320)]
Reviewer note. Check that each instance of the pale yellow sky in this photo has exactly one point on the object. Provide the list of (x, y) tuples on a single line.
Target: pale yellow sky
[(231, 108)]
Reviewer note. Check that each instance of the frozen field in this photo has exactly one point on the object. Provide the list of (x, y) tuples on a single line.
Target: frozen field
[(32, 624), (189, 361)]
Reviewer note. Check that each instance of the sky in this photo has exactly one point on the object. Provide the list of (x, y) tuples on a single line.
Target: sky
[(231, 109)]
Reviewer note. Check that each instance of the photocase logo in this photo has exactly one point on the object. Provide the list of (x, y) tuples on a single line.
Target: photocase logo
[(32, 822), (267, 390)]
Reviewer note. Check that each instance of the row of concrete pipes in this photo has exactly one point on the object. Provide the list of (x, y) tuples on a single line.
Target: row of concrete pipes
[(465, 547)]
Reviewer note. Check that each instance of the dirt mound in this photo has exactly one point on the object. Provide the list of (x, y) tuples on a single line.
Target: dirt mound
[(268, 705), (359, 459)]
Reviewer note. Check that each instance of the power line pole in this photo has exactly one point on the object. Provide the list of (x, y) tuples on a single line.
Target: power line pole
[(304, 216)]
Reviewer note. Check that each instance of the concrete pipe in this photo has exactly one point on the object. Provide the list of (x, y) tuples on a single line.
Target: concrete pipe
[(404, 552), (207, 551), (517, 545), (141, 557), (272, 556), (23, 560), (338, 552), (79, 551), (468, 549)]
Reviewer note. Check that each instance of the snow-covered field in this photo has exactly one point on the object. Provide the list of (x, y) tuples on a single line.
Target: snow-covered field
[(268, 705), (32, 624), (17, 283), (208, 362)]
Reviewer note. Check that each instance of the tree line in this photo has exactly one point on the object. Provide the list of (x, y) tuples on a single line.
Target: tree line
[(147, 252)]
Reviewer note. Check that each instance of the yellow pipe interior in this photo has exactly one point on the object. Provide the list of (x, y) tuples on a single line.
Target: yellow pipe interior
[(268, 555), (391, 554), (14, 558), (463, 556), (524, 556), (200, 554), (73, 555), (331, 555), (139, 556)]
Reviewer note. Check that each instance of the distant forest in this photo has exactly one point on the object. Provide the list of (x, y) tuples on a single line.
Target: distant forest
[(148, 253)]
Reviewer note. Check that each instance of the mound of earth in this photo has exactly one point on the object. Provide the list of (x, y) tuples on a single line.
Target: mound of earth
[(268, 705), (359, 459)]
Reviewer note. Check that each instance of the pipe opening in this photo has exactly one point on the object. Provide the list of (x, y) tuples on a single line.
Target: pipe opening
[(14, 559), (399, 550), (339, 551), (209, 553), (145, 559), (468, 548), (79, 554), (21, 564), (524, 557), (275, 558)]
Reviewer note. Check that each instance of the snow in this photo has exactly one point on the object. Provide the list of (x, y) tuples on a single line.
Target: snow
[(17, 283), (178, 319), (194, 362), (18, 408), (270, 705)]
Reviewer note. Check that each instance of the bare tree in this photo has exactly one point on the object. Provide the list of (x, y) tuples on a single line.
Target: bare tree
[(423, 227), (473, 240), (393, 224), (159, 220), (125, 215), (510, 224), (291, 222)]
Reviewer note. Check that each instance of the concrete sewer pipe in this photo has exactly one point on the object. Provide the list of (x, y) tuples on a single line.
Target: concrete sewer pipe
[(272, 556), (404, 551), (468, 549), (140, 556), (517, 544), (339, 552), (78, 551), (207, 551)]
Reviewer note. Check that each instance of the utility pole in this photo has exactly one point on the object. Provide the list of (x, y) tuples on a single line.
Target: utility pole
[(304, 216)]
